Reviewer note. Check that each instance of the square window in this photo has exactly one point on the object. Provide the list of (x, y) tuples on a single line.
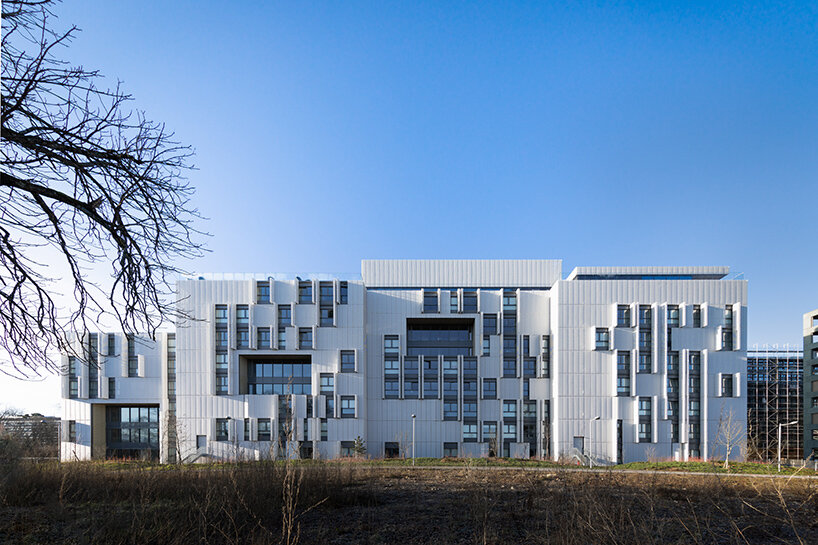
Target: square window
[(450, 450), (263, 292), (347, 406)]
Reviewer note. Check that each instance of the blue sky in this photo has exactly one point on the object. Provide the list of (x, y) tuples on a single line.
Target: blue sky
[(601, 133)]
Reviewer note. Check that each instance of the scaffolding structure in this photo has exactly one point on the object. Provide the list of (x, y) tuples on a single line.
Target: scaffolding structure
[(775, 378)]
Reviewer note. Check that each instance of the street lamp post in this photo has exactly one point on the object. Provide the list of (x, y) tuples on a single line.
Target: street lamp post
[(780, 427), (413, 440), (590, 441)]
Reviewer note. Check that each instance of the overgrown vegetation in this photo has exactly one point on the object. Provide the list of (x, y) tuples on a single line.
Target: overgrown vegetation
[(317, 502)]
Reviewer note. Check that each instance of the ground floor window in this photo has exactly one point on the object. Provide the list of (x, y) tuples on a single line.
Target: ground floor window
[(132, 431)]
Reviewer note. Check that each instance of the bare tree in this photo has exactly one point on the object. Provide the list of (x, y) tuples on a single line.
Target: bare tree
[(730, 434), (85, 177)]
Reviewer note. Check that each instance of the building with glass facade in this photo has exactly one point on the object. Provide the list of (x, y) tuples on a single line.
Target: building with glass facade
[(492, 357), (811, 384), (774, 396)]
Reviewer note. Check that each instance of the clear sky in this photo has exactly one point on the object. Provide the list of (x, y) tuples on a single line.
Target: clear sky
[(601, 133)]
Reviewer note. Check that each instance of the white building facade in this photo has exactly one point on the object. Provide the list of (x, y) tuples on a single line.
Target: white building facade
[(494, 357)]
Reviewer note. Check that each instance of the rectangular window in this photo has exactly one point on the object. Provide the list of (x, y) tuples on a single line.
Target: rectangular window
[(509, 302), (489, 431), (673, 362), (727, 339), (645, 363), (347, 406), (603, 339), (264, 429), (530, 409), (469, 433), (242, 315), (623, 386), (489, 388), (529, 367), (263, 292), (430, 367), (453, 306), (623, 316), (450, 388), (72, 431), (305, 338), (430, 301), (347, 361), (526, 345), (546, 356), (489, 324), (221, 339), (263, 338), (470, 388), (221, 385), (410, 389), (133, 360), (645, 339), (510, 324), (327, 316), (391, 388), (391, 366), (469, 410), (470, 300), (450, 410), (324, 429), (221, 362), (72, 366), (282, 338), (486, 345), (111, 344), (509, 367), (326, 384), (728, 316), (391, 344), (221, 315), (430, 389), (449, 367), (695, 407), (727, 386), (673, 316), (242, 338), (509, 345), (697, 315), (509, 432), (221, 429), (305, 292), (285, 316), (510, 408), (645, 316), (645, 419), (450, 450), (111, 388), (695, 364), (325, 293), (344, 296)]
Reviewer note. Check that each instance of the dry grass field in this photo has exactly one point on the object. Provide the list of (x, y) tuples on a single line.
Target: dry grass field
[(349, 503)]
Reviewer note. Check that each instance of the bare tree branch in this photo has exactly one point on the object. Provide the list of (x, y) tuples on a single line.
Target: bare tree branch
[(83, 176)]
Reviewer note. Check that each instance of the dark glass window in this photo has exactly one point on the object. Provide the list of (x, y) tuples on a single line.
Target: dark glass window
[(347, 361), (430, 301), (489, 388), (132, 431), (470, 300), (623, 316), (305, 292), (439, 337), (489, 324), (263, 292), (283, 375)]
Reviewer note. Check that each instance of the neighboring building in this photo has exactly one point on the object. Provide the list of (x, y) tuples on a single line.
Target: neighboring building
[(34, 434), (774, 396), (811, 384), (505, 357)]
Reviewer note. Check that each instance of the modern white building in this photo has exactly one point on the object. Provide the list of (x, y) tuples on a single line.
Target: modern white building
[(500, 357)]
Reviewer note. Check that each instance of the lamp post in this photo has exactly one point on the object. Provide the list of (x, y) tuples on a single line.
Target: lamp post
[(590, 440), (413, 440), (780, 426)]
